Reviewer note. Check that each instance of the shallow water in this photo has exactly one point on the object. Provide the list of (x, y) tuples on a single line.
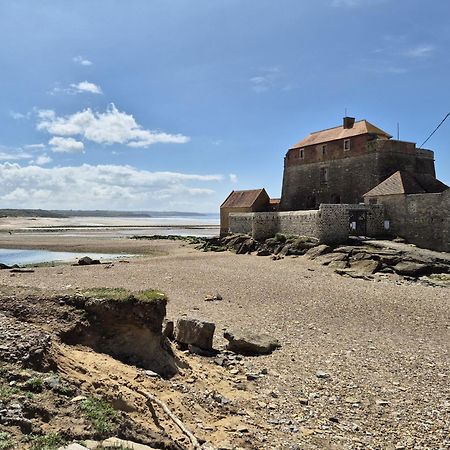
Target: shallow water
[(16, 256)]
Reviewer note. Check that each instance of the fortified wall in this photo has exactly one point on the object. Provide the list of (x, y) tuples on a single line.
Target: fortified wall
[(340, 176), (422, 219), (331, 223)]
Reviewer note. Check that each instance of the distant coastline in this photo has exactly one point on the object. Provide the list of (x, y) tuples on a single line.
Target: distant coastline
[(66, 213)]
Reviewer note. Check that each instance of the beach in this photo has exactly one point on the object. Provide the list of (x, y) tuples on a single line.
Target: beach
[(362, 364)]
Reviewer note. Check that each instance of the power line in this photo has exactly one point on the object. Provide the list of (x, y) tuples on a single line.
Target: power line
[(434, 131)]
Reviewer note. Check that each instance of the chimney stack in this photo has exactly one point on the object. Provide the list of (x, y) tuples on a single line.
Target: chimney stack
[(349, 122)]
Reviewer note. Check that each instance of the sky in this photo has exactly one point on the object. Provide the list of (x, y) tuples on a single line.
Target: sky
[(171, 104)]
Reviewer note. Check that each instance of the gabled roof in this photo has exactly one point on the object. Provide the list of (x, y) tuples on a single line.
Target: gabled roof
[(402, 182), (243, 199), (333, 134)]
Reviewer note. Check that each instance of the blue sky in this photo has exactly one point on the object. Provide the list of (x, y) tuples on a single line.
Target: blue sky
[(171, 104)]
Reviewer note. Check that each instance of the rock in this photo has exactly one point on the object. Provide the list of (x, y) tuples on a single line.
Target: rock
[(86, 261), (364, 266), (200, 351), (322, 375), (74, 446), (78, 398), (195, 332), (213, 298), (314, 252), (4, 266), (331, 257), (337, 264), (411, 269), (152, 374), (263, 252), (285, 250), (250, 343), (125, 445), (168, 329)]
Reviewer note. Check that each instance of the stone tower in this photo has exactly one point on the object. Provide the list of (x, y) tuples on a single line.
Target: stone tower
[(340, 164)]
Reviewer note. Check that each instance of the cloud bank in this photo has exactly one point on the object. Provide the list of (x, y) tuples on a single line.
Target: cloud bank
[(102, 187), (109, 127)]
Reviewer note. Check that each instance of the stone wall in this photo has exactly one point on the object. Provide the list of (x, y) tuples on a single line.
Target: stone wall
[(422, 219), (329, 224), (350, 174)]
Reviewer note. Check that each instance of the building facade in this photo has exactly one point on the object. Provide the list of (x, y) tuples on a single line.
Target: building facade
[(341, 164)]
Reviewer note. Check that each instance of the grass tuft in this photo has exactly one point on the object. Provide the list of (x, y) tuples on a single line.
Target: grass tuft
[(121, 294), (6, 441), (50, 441), (100, 413)]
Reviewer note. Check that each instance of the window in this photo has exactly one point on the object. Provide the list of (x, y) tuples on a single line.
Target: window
[(324, 149), (346, 145), (323, 175), (301, 153)]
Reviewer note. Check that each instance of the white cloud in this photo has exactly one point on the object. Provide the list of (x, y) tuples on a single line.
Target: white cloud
[(19, 116), (14, 155), (66, 145), (420, 51), (110, 127), (43, 159), (86, 86), (34, 146), (82, 61), (103, 187), (233, 178), (268, 79), (83, 87)]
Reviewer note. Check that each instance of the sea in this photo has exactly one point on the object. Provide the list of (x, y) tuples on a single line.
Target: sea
[(205, 225)]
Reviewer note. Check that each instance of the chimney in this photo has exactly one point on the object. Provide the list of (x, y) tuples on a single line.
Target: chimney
[(349, 122)]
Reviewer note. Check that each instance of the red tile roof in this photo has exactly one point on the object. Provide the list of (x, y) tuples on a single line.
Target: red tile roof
[(336, 133), (402, 182)]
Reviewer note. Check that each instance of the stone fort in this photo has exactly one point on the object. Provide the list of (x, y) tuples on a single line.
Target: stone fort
[(350, 179)]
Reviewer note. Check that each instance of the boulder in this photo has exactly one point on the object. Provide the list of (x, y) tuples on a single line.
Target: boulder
[(86, 261), (195, 332), (410, 268), (168, 328), (263, 252), (364, 266), (331, 257), (338, 264), (314, 252), (4, 266), (250, 343)]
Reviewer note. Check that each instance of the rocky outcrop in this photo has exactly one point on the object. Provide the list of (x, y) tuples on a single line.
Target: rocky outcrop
[(129, 330)]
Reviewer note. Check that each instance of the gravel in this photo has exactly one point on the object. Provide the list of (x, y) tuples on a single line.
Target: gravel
[(384, 345)]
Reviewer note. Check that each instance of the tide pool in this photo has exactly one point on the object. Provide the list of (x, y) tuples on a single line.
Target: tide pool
[(12, 256)]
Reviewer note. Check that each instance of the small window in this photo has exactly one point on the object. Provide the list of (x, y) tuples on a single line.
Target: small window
[(323, 175), (301, 153), (346, 145), (324, 149)]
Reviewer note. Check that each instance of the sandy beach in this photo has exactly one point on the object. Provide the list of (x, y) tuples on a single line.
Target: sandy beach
[(383, 346)]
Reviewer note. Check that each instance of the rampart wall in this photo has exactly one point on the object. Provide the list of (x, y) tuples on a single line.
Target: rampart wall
[(422, 219), (329, 224)]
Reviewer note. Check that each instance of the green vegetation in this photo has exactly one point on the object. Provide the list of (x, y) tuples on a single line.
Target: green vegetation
[(6, 441), (100, 413), (34, 384), (121, 294), (50, 441), (7, 392)]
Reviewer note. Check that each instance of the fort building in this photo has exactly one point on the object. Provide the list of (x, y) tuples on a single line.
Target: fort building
[(341, 164), (352, 179)]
